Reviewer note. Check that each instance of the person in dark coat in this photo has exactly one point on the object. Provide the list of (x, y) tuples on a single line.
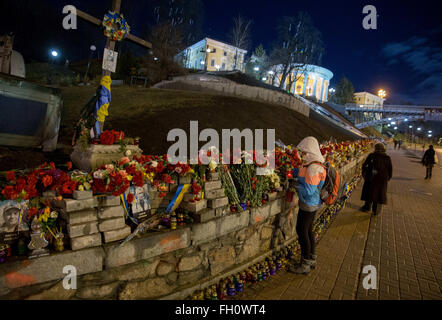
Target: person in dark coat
[(428, 160), (395, 143), (377, 170)]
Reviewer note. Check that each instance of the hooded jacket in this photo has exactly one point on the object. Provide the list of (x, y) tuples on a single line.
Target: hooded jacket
[(311, 177)]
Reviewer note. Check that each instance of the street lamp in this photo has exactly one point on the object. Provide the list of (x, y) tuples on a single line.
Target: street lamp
[(410, 127), (92, 48), (395, 128), (430, 131), (256, 68), (382, 94), (419, 129)]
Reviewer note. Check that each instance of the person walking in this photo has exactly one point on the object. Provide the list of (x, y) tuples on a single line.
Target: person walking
[(399, 143), (395, 143), (429, 160), (377, 170), (310, 177)]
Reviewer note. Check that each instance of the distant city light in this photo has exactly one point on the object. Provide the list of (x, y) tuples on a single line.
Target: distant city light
[(208, 50), (93, 48), (389, 119), (395, 128), (429, 136), (406, 120), (270, 72), (155, 58), (332, 90), (361, 106), (202, 62), (430, 131), (419, 129), (382, 94), (410, 127), (54, 53), (388, 125), (256, 68), (264, 79), (392, 122)]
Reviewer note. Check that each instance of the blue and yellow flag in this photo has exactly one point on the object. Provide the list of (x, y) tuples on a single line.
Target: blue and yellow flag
[(177, 198), (103, 102)]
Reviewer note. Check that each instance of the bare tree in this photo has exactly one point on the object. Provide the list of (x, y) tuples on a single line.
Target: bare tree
[(299, 43), (240, 35)]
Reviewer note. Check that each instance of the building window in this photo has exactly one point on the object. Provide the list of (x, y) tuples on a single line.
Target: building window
[(196, 64), (223, 67), (212, 63), (225, 53)]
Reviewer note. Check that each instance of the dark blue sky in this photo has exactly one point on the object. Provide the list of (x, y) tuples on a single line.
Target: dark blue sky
[(403, 56)]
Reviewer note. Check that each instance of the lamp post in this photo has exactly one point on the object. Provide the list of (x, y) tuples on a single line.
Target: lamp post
[(53, 54), (256, 69), (92, 48)]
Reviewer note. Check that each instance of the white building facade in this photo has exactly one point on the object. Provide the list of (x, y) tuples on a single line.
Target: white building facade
[(212, 55), (307, 80)]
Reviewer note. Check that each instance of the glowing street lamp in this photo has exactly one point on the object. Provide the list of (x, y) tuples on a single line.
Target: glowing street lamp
[(410, 127), (382, 94), (419, 129), (256, 68), (332, 90), (270, 72), (392, 122), (54, 53), (264, 78), (395, 128), (430, 131)]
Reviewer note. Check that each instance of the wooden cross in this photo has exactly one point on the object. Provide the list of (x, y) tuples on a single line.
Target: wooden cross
[(110, 44)]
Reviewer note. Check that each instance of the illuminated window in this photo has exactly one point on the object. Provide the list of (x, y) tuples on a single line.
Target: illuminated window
[(212, 63)]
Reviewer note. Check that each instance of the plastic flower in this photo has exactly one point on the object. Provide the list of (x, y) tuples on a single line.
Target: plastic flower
[(47, 180), (130, 198), (10, 175)]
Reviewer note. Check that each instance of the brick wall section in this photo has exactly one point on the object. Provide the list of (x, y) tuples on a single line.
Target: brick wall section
[(161, 264)]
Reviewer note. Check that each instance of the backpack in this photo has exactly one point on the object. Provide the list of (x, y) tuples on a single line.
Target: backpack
[(331, 189)]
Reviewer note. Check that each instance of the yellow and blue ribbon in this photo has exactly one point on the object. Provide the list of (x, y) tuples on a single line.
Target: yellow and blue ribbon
[(125, 205), (177, 198)]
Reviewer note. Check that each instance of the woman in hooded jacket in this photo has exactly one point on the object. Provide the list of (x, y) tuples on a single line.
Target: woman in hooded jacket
[(311, 177)]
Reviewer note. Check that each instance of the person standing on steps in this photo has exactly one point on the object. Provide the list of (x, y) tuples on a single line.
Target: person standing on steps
[(377, 170), (429, 160), (310, 177)]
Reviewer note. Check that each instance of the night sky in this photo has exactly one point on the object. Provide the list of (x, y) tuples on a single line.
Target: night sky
[(403, 56)]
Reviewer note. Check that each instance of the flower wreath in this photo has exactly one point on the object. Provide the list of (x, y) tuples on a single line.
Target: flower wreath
[(115, 26)]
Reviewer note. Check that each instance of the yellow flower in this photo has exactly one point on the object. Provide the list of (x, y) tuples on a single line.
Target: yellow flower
[(129, 177)]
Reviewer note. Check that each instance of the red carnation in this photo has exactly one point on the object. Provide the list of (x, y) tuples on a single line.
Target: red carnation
[(130, 198), (47, 180), (10, 193), (69, 165), (32, 212), (10, 175)]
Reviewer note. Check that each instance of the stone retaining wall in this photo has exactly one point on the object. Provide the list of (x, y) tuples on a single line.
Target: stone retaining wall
[(213, 84), (167, 264)]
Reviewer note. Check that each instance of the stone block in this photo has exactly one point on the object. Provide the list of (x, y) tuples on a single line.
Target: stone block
[(155, 195), (194, 206), (275, 207), (187, 179), (215, 193), (273, 196), (221, 259), (203, 215), (210, 185), (29, 272), (108, 201), (189, 196), (70, 205), (49, 194), (203, 232), (233, 222), (189, 263), (111, 224), (213, 176), (115, 235), (78, 230), (222, 211), (83, 216), (81, 195), (164, 268), (147, 289), (159, 203), (110, 212), (92, 240), (150, 245), (216, 203), (260, 214)]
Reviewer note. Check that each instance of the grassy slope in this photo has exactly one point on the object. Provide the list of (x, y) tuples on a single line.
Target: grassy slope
[(151, 113)]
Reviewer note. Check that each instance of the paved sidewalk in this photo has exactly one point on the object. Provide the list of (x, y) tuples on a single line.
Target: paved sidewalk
[(404, 244)]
